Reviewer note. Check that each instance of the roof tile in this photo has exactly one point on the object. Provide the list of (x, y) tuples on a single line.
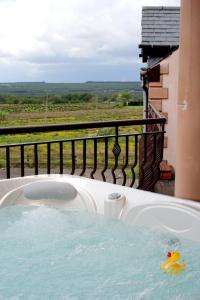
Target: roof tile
[(160, 25)]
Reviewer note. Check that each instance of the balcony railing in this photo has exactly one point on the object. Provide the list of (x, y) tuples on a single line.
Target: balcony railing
[(111, 151), (153, 113)]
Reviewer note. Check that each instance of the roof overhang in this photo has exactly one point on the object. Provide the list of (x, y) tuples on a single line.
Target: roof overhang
[(155, 51)]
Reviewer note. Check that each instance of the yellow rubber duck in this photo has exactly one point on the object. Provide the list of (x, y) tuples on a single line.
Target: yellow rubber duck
[(171, 265)]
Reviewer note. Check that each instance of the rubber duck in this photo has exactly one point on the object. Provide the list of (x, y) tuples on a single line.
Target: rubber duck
[(171, 265)]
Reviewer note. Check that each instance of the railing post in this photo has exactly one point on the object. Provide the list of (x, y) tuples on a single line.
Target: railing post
[(116, 151), (22, 160), (8, 162), (36, 158)]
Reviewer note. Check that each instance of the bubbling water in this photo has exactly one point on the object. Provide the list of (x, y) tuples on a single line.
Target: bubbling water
[(53, 254)]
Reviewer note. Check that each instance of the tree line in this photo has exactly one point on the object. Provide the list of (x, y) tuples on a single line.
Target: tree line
[(124, 98)]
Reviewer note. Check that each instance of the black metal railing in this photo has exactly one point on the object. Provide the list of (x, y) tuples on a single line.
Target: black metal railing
[(153, 113), (112, 157), (149, 171)]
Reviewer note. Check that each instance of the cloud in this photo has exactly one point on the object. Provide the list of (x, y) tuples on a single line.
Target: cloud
[(36, 34)]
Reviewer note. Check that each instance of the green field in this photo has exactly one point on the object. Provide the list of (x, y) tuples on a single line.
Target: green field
[(24, 115), (16, 115)]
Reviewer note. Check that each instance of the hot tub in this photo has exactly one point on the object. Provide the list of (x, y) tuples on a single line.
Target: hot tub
[(66, 237)]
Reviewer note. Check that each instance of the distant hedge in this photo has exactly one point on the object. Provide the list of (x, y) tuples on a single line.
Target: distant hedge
[(52, 99), (135, 103)]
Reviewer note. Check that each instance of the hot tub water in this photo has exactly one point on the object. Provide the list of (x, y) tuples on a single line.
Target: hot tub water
[(48, 253)]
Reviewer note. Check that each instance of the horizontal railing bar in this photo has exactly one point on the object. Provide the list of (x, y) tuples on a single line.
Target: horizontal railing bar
[(76, 126), (80, 139)]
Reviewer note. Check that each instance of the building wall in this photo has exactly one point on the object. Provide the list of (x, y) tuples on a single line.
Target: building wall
[(164, 96), (169, 106)]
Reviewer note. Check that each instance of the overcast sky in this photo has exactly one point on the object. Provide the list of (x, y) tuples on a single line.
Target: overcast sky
[(71, 40)]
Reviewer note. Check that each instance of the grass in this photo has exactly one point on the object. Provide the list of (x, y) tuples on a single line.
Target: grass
[(82, 113)]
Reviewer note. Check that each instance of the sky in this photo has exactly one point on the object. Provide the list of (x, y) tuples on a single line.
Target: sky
[(71, 40)]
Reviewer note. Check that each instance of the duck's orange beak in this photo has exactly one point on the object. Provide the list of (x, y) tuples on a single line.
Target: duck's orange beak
[(169, 254)]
